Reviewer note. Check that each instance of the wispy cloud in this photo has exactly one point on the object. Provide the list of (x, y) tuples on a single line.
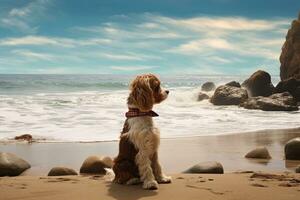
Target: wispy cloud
[(33, 55), (23, 17), (132, 68)]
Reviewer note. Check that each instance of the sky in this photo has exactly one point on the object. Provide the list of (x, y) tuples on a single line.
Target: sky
[(207, 37)]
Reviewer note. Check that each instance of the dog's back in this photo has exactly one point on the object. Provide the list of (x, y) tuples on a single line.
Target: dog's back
[(125, 167)]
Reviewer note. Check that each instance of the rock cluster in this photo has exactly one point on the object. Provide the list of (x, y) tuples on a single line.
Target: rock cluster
[(229, 95), (276, 102), (259, 84)]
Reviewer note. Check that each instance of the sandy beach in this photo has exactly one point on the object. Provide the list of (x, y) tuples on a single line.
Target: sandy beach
[(176, 155), (226, 186)]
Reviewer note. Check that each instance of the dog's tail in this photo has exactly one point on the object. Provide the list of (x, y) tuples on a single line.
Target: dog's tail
[(110, 174)]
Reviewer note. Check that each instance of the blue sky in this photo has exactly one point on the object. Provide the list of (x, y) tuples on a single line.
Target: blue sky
[(137, 36)]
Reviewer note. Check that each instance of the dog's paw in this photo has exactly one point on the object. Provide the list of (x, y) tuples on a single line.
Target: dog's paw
[(133, 181), (164, 179), (150, 185)]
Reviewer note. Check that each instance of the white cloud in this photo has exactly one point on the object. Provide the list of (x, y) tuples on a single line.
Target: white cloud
[(55, 41), (131, 68), (33, 55), (22, 18)]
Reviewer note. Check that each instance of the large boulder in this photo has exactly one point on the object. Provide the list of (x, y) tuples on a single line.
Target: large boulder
[(208, 86), (202, 96), (228, 95), (290, 85), (259, 84), (234, 84), (276, 102), (12, 165), (96, 165), (290, 54), (292, 149), (62, 171), (259, 153), (206, 168)]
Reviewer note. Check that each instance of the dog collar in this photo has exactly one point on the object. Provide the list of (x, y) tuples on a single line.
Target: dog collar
[(135, 112)]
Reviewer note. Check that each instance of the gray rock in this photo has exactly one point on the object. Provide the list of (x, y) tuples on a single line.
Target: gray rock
[(206, 168), (297, 170), (276, 102), (234, 84), (202, 96), (228, 95), (96, 165), (292, 149), (12, 165), (259, 153), (289, 58), (208, 86), (259, 84), (290, 85), (62, 171)]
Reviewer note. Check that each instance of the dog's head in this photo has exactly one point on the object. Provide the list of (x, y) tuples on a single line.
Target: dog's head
[(146, 91)]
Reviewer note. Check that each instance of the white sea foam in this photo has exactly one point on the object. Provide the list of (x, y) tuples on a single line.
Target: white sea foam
[(99, 116)]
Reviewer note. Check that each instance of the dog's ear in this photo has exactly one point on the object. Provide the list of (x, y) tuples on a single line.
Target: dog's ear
[(141, 93)]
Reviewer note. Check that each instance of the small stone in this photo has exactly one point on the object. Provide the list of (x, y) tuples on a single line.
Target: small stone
[(208, 86), (259, 153), (12, 165), (206, 168), (61, 171), (96, 165), (292, 149)]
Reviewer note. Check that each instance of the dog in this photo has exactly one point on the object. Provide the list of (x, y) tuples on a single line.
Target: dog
[(137, 160)]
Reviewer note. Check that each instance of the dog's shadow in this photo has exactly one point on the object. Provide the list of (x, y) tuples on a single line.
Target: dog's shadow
[(130, 192)]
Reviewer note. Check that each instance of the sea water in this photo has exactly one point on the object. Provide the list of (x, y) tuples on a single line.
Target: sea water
[(92, 107)]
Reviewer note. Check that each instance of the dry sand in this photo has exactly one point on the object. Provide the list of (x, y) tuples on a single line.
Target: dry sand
[(226, 186)]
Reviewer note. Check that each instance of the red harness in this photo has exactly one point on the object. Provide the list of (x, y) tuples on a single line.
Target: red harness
[(135, 112)]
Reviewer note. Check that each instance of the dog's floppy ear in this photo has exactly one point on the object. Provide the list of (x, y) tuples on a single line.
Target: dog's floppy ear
[(141, 93)]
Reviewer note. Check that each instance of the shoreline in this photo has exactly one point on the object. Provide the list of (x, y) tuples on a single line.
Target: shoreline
[(45, 141), (228, 149)]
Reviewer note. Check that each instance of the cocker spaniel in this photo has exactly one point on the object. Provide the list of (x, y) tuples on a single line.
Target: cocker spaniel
[(137, 160)]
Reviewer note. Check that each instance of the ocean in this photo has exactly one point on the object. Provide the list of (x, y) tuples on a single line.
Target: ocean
[(86, 108)]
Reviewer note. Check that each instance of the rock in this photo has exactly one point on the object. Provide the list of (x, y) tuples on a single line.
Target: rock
[(26, 137), (290, 85), (202, 96), (234, 84), (206, 168), (259, 153), (208, 86), (297, 170), (292, 149), (259, 84), (12, 165), (276, 102), (228, 95), (289, 58), (96, 165), (61, 171)]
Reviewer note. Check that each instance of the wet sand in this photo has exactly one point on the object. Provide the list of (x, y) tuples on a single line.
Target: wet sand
[(176, 155)]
